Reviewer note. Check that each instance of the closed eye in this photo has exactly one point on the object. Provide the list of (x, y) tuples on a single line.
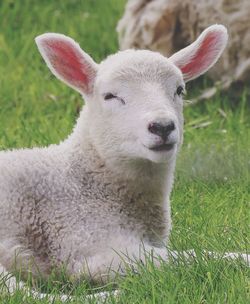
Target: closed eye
[(108, 96)]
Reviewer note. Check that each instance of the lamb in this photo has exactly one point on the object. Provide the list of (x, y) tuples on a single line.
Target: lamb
[(105, 190), (167, 26)]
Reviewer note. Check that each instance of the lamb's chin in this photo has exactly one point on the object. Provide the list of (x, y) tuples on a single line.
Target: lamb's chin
[(161, 156)]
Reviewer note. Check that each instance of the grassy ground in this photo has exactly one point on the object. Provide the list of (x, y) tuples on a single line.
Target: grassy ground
[(210, 201)]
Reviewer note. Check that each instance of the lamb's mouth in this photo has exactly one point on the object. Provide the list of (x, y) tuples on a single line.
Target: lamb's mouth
[(162, 147)]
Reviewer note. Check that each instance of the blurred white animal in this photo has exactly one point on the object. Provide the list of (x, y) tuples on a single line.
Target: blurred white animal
[(167, 26), (104, 191)]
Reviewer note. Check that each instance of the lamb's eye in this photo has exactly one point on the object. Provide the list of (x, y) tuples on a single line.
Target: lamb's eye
[(108, 96), (180, 90)]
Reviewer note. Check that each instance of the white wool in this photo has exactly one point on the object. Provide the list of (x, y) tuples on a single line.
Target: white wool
[(103, 192), (167, 26)]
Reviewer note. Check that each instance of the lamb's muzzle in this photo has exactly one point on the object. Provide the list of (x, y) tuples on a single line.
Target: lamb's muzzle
[(162, 130)]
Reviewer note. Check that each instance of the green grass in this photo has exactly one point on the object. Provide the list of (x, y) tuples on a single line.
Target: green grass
[(210, 201)]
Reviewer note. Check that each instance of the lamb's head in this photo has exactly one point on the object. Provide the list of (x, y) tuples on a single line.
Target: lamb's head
[(133, 98)]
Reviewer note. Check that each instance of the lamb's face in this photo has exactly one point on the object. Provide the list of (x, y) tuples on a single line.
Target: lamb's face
[(134, 97), (136, 109)]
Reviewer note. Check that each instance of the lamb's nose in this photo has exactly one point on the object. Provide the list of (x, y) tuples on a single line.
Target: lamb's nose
[(162, 130)]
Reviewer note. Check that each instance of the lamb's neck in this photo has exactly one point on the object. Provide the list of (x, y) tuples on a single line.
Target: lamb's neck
[(144, 174)]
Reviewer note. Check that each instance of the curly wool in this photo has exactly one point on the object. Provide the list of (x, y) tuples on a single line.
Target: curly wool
[(167, 26)]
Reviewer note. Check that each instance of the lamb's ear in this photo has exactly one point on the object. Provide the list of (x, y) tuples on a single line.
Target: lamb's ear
[(202, 54), (68, 61)]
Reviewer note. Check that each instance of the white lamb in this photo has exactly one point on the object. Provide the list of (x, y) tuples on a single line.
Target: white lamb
[(105, 190)]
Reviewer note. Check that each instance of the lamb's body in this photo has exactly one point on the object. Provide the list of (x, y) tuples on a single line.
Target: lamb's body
[(105, 190), (64, 205)]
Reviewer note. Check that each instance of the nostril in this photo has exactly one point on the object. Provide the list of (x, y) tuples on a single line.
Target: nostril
[(163, 130), (155, 128), (170, 126)]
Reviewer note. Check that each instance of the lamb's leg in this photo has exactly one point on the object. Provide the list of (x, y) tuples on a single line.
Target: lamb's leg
[(101, 297), (8, 282), (189, 254), (158, 254), (145, 252), (215, 255), (135, 252)]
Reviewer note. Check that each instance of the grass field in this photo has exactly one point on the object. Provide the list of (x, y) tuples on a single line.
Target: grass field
[(211, 199)]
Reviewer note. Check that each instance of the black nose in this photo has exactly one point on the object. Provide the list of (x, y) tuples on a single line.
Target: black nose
[(162, 130)]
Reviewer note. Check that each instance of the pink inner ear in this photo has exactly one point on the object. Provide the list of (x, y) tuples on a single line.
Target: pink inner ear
[(202, 58), (67, 62)]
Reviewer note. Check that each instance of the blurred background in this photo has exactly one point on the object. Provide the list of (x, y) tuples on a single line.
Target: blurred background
[(36, 109), (212, 179), (169, 25)]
